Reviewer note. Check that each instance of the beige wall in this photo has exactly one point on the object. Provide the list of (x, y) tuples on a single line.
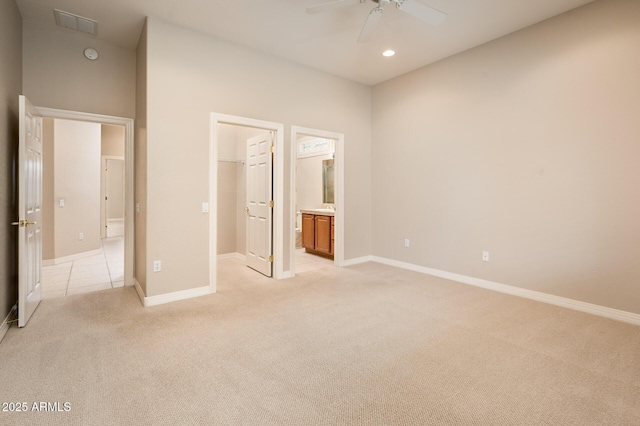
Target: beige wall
[(57, 75), (115, 189), (190, 75), (112, 140), (527, 147), (10, 89), (48, 200), (140, 158), (77, 181), (227, 190)]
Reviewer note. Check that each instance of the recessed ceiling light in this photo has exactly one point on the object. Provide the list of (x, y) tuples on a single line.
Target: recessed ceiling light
[(388, 53)]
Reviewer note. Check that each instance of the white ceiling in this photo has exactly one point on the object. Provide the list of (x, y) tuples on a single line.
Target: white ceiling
[(326, 41)]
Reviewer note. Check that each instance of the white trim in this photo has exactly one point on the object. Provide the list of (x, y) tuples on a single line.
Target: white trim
[(358, 260), (4, 327), (128, 125), (338, 255), (71, 257), (170, 297), (235, 255), (564, 302), (278, 185)]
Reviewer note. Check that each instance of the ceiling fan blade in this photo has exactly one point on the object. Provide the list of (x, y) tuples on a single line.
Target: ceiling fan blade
[(427, 14), (336, 4), (370, 25)]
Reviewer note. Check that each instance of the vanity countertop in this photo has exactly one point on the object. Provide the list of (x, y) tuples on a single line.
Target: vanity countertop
[(318, 212)]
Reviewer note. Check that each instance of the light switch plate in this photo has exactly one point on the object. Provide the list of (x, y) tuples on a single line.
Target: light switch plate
[(205, 207)]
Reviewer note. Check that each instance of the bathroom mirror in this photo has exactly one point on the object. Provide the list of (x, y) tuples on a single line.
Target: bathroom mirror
[(328, 172)]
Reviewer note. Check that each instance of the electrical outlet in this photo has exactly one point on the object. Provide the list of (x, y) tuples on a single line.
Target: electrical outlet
[(81, 236), (406, 242), (157, 266), (485, 256)]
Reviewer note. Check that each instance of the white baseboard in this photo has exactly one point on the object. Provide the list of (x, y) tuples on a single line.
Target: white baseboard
[(71, 258), (4, 327), (358, 260), (171, 297), (236, 255), (577, 305)]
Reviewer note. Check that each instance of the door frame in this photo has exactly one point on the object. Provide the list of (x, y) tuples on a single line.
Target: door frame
[(128, 124), (278, 191), (338, 256)]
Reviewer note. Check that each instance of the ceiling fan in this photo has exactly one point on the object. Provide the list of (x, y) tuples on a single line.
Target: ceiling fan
[(412, 7)]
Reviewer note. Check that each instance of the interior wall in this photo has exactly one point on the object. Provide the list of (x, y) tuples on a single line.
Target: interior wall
[(191, 75), (112, 140), (48, 200), (115, 189), (77, 182), (227, 189), (57, 75), (10, 89), (526, 147), (140, 159)]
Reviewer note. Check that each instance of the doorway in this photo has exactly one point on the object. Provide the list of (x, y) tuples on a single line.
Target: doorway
[(116, 252), (233, 204), (313, 152)]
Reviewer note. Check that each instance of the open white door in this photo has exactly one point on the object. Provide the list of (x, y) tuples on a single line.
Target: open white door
[(259, 203), (30, 210)]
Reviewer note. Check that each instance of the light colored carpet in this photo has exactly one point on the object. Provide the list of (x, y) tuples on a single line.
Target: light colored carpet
[(364, 345)]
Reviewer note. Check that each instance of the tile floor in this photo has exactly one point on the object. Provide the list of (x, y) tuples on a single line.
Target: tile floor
[(93, 273), (306, 262)]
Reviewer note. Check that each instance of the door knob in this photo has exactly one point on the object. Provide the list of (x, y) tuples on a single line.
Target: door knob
[(246, 209)]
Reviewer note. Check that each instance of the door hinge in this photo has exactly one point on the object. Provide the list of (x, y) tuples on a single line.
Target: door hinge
[(271, 258), (271, 203), (272, 149)]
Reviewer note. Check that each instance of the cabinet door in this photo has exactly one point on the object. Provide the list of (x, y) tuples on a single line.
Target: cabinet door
[(333, 238), (308, 231), (323, 234)]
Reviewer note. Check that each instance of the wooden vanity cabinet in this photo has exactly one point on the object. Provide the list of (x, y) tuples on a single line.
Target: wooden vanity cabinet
[(323, 234), (308, 231), (318, 234)]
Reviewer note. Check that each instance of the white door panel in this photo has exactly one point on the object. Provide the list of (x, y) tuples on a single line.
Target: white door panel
[(30, 211), (259, 210)]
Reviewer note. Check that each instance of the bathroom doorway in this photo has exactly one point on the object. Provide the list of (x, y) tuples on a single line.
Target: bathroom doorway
[(317, 200)]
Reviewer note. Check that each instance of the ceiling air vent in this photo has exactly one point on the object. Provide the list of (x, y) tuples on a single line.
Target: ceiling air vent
[(75, 22)]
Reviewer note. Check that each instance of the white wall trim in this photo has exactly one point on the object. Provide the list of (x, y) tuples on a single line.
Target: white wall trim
[(171, 297), (71, 258), (129, 162), (4, 327), (235, 255), (278, 185), (564, 302), (358, 260), (338, 256)]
